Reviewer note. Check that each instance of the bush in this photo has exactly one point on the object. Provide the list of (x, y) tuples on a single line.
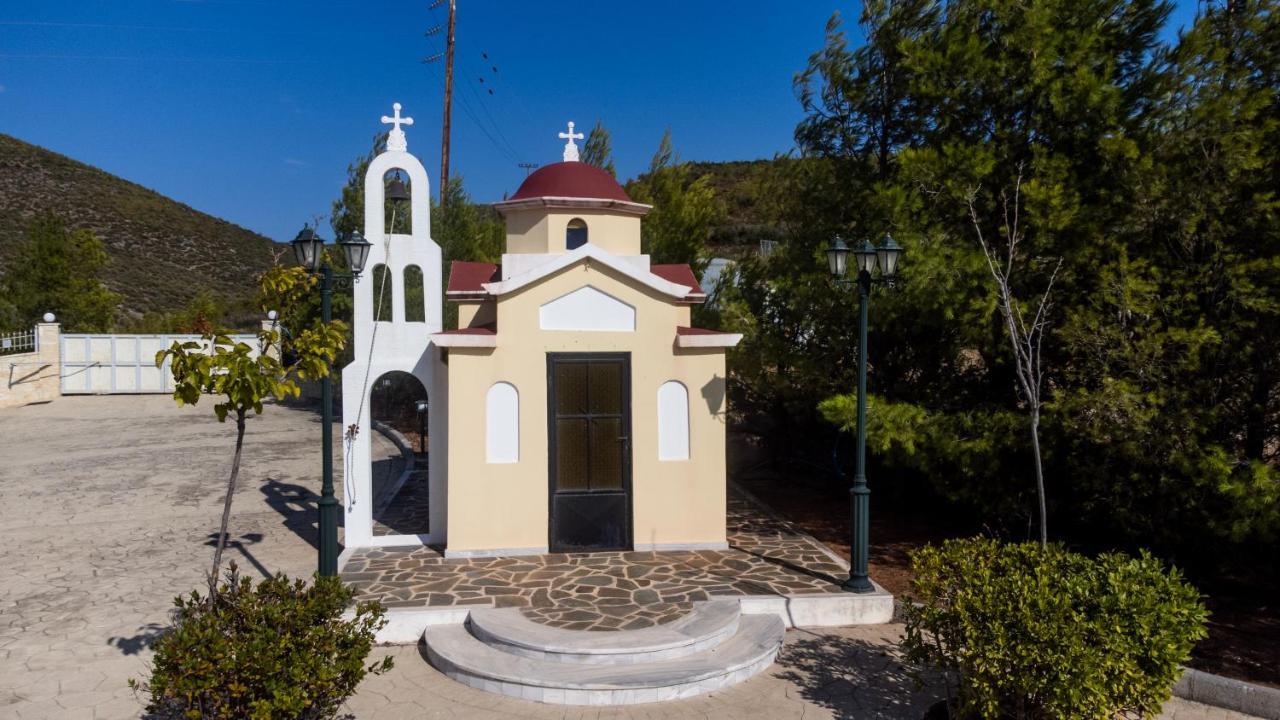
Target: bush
[(1031, 632), (278, 650)]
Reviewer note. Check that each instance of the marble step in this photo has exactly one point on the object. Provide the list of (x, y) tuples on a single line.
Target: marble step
[(453, 650), (706, 626)]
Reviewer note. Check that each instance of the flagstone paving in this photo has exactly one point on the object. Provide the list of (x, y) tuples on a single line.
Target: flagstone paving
[(607, 590)]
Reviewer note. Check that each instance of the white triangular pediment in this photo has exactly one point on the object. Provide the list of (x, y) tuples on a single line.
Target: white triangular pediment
[(587, 309)]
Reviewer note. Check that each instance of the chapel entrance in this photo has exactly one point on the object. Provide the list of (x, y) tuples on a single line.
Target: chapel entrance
[(589, 413)]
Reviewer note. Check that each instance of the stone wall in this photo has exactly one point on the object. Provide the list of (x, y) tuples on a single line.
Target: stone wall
[(36, 376)]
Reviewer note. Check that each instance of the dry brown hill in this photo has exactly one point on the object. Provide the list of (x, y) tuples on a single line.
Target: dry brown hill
[(162, 252)]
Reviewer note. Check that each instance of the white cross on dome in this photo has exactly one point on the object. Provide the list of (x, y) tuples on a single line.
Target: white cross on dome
[(395, 138), (571, 149)]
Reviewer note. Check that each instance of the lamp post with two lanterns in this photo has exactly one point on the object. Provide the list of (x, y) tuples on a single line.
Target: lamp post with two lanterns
[(867, 257), (308, 248)]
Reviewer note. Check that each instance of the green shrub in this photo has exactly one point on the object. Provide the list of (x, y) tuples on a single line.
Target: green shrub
[(278, 650), (1031, 632)]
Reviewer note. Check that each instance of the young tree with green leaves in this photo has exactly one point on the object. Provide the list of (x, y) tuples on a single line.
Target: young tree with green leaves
[(57, 270), (241, 378)]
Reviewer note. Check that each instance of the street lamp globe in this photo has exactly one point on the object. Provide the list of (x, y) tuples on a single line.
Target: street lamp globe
[(308, 248), (866, 255), (357, 250), (889, 252), (838, 257)]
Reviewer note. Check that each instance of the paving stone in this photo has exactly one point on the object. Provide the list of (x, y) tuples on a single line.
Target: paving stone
[(610, 590)]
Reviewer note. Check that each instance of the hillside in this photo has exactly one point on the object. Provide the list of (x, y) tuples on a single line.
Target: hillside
[(739, 184), (162, 252)]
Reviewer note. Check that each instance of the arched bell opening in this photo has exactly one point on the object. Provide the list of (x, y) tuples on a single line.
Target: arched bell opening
[(397, 208), (398, 406)]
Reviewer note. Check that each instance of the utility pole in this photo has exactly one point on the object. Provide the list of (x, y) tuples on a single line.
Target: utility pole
[(448, 102), (527, 167)]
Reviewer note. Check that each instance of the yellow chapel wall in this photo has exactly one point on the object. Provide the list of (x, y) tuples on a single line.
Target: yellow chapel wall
[(504, 507), (540, 230)]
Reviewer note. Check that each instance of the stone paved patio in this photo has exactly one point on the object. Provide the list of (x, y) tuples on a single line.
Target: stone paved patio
[(607, 590), (101, 530)]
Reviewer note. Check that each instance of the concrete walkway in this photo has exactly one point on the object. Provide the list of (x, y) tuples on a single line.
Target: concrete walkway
[(106, 506)]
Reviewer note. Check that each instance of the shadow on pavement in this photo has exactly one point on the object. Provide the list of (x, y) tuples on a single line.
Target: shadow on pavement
[(856, 679), (134, 644), (298, 505)]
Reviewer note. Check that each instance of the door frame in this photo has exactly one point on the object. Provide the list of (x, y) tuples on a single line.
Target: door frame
[(628, 424)]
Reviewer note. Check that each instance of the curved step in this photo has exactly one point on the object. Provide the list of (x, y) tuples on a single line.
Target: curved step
[(508, 629), (458, 654)]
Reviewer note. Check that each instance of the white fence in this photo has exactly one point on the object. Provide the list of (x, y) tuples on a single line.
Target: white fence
[(107, 364), (24, 341)]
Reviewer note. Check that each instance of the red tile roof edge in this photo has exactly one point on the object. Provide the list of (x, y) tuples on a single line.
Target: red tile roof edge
[(470, 277), (680, 274)]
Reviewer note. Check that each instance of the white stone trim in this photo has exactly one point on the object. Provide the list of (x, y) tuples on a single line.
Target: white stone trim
[(824, 609), (429, 538), (406, 625), (593, 252), (493, 552), (678, 547), (726, 340), (465, 340)]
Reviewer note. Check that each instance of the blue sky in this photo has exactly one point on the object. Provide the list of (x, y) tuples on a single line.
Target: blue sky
[(251, 109)]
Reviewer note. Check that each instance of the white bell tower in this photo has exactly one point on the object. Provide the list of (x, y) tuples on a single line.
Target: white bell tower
[(387, 344)]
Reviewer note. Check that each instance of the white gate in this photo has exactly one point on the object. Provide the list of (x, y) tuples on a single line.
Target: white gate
[(106, 364)]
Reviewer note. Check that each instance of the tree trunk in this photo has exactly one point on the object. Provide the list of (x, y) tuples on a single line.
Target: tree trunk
[(226, 507), (1035, 447)]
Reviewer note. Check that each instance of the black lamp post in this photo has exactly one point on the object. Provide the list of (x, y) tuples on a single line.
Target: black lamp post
[(866, 257), (421, 406), (308, 248)]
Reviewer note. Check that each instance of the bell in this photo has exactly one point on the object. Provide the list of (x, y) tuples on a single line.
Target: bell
[(396, 191)]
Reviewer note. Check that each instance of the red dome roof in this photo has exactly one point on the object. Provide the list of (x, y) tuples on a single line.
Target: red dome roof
[(571, 180)]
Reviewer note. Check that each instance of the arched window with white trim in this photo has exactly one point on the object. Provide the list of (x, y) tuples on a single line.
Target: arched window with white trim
[(575, 234), (502, 424), (673, 421)]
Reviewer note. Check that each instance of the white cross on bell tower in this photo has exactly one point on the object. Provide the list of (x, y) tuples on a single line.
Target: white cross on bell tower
[(395, 138), (570, 149)]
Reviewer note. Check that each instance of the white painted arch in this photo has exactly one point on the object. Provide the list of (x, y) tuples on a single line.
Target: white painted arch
[(673, 421), (502, 423)]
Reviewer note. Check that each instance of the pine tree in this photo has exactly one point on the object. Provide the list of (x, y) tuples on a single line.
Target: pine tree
[(598, 148), (685, 209), (57, 270)]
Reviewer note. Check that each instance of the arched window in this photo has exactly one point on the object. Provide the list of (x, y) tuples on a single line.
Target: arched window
[(502, 424), (673, 421), (575, 235), (415, 308), (382, 300)]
